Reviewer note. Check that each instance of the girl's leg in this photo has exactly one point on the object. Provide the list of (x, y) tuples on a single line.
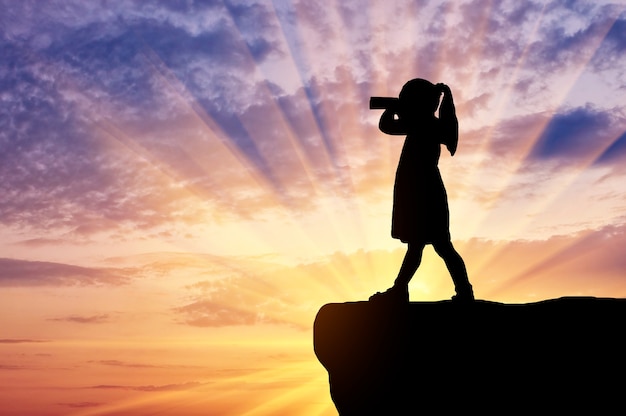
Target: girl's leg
[(411, 262), (399, 292), (456, 267)]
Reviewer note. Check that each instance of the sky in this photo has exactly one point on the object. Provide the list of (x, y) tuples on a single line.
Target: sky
[(186, 183)]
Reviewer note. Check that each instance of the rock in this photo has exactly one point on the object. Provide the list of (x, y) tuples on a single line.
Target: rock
[(424, 357)]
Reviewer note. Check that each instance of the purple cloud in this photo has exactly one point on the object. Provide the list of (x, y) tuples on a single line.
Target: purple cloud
[(23, 273), (277, 81), (616, 152), (573, 134)]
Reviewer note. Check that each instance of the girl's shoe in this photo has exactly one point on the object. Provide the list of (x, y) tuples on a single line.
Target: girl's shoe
[(463, 298), (394, 294)]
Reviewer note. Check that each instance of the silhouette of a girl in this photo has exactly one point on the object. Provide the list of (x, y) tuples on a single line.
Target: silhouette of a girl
[(420, 203)]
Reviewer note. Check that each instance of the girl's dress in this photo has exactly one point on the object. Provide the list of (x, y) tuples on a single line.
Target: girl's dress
[(420, 202)]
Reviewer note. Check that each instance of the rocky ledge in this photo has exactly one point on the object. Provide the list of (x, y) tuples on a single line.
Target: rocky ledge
[(565, 354)]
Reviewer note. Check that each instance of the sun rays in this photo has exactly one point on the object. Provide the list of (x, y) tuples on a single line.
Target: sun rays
[(285, 168), (187, 186)]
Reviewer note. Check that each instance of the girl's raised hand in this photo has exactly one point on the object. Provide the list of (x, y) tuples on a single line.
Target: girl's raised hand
[(443, 88)]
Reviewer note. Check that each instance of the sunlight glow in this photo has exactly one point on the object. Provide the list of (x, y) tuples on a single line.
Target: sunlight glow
[(186, 188)]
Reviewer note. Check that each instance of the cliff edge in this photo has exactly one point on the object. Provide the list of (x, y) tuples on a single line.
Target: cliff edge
[(426, 357)]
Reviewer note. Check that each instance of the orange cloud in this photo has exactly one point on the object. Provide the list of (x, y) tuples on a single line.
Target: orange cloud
[(95, 319), (20, 341)]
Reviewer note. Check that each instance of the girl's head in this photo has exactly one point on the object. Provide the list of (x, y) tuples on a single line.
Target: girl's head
[(419, 96)]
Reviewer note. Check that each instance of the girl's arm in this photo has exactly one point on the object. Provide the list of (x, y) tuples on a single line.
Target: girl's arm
[(449, 122), (390, 125)]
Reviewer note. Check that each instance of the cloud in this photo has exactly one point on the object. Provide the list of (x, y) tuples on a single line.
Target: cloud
[(151, 388), (95, 319), (586, 263), (616, 37), (570, 29), (246, 300), (25, 273), (117, 363), (12, 367), (257, 25), (616, 152), (112, 115), (122, 73), (90, 69), (573, 134), (207, 313), (20, 341), (609, 59), (40, 242), (241, 293), (80, 405)]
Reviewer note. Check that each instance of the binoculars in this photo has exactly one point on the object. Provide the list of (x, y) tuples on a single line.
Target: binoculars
[(383, 103)]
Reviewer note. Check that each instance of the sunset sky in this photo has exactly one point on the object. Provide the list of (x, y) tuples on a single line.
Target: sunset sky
[(185, 183)]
